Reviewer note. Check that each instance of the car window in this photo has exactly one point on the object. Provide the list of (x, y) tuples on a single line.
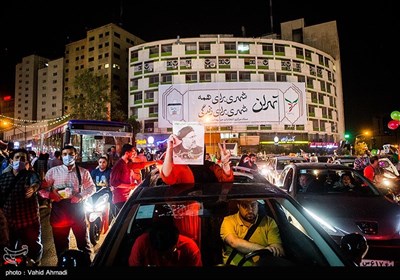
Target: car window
[(201, 221)]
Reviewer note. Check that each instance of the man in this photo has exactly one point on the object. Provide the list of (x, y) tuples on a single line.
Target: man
[(370, 171), (101, 177), (67, 191), (234, 228), (18, 192), (307, 184), (55, 161), (123, 178), (164, 246), (187, 148), (113, 156)]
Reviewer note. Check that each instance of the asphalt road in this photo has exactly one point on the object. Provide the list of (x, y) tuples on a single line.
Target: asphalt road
[(49, 252)]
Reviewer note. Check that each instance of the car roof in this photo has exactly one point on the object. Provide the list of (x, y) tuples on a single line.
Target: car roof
[(204, 190), (311, 165)]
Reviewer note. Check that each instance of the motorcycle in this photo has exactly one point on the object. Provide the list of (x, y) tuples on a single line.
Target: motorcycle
[(97, 211)]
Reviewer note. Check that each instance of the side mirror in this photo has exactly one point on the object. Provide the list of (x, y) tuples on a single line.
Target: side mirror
[(74, 258), (355, 246)]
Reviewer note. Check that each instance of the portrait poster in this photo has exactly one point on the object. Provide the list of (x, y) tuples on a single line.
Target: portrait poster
[(189, 143)]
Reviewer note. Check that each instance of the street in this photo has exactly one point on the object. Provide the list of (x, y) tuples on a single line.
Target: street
[(49, 252)]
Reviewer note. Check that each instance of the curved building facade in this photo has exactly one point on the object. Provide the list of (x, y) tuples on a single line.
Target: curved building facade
[(308, 55)]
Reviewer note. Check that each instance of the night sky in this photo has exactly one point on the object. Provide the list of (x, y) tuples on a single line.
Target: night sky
[(370, 59)]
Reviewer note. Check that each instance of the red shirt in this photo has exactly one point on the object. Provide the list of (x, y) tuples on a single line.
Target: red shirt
[(369, 172), (182, 174), (187, 253)]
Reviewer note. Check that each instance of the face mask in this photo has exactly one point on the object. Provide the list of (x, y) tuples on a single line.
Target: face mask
[(68, 160), (18, 165)]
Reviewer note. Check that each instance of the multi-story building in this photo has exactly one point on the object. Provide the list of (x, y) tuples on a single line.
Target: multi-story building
[(41, 83), (26, 87), (308, 55), (104, 51)]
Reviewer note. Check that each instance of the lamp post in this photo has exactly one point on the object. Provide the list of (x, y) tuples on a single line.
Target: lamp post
[(207, 119), (23, 131)]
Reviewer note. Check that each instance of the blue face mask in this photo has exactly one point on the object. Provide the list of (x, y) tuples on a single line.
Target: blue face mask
[(18, 165), (68, 160)]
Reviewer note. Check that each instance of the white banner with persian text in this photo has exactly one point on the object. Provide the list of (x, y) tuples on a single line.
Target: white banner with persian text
[(238, 103)]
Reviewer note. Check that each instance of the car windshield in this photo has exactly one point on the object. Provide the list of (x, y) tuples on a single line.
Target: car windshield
[(199, 212), (337, 181)]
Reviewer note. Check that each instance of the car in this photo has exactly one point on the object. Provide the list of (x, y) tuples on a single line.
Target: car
[(364, 209), (387, 164), (345, 160), (199, 209), (276, 164)]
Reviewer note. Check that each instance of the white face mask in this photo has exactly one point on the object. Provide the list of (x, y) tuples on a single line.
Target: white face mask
[(68, 160), (18, 165)]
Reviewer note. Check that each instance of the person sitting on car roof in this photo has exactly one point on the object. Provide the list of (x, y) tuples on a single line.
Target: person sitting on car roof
[(208, 172)]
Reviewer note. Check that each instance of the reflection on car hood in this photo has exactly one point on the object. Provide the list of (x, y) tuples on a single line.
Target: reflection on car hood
[(346, 212)]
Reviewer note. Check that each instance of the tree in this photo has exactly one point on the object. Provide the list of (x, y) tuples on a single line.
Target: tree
[(91, 98), (136, 125)]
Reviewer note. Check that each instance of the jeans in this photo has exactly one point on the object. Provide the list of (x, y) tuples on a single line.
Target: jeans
[(30, 236), (61, 238)]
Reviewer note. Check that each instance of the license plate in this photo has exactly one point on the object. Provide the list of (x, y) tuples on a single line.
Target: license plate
[(367, 263)]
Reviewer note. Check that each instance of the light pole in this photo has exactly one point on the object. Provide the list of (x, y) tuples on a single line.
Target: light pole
[(23, 131)]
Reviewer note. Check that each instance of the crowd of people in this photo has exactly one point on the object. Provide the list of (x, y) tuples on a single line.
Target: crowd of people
[(29, 182), (28, 178)]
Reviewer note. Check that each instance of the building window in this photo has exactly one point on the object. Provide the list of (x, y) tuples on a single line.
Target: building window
[(166, 78), (205, 77), (191, 77), (244, 76), (320, 59), (250, 62), (204, 47), (154, 50), (314, 97), (230, 47), (190, 48), (138, 97), (210, 63), (231, 77), (281, 77), (166, 50), (299, 52), (224, 62), (308, 55), (279, 49), (268, 49), (319, 72), (154, 81), (320, 98), (286, 65), (297, 66), (134, 84), (134, 55), (149, 94), (269, 77)]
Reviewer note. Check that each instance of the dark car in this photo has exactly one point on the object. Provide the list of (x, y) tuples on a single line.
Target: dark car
[(361, 208), (200, 209)]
